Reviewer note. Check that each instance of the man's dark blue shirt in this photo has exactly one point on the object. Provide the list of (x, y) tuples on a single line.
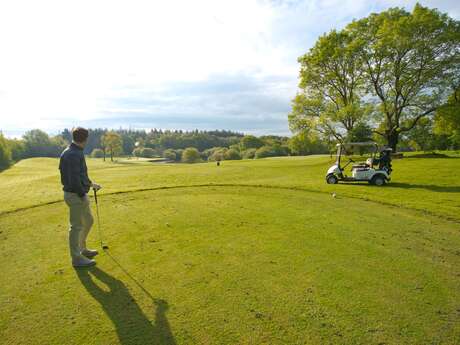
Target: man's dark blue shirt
[(74, 173)]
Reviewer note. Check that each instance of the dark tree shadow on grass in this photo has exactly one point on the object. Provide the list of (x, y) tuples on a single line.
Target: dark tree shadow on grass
[(430, 187), (430, 155), (132, 325)]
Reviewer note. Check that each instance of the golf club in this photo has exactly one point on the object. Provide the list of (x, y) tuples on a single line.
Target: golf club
[(103, 246)]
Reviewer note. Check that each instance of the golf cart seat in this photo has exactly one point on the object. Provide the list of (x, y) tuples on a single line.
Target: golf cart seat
[(364, 165), (360, 166)]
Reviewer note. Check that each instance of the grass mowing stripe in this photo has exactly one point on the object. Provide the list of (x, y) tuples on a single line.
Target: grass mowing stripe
[(137, 190)]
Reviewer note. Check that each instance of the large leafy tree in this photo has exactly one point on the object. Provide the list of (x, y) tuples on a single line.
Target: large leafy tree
[(191, 155), (421, 137), (410, 62), (331, 83), (113, 143), (447, 119), (5, 153)]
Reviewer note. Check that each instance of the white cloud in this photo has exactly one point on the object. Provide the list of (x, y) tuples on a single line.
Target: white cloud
[(61, 59), (64, 62)]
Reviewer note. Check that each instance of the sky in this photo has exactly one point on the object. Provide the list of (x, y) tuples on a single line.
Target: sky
[(172, 64)]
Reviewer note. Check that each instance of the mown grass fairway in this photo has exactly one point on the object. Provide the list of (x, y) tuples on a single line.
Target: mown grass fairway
[(252, 252)]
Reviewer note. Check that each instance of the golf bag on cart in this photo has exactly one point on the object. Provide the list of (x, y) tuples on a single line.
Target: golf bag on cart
[(384, 161)]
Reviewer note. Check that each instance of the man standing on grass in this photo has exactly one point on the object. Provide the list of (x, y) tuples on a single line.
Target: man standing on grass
[(76, 185)]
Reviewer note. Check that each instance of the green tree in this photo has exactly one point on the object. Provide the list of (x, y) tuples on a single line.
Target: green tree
[(113, 143), (331, 85), (421, 136), (128, 143), (169, 154), (215, 154), (5, 153), (236, 147), (17, 149), (271, 151), (38, 144), (179, 153), (251, 142), (408, 60), (232, 154), (307, 143), (147, 152), (249, 154), (191, 155), (360, 132), (218, 155), (447, 119)]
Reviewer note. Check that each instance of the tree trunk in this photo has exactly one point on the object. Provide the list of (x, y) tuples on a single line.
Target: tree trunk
[(111, 155), (393, 139)]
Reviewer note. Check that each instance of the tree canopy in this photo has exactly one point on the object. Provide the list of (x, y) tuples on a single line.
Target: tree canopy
[(389, 70), (329, 100), (191, 155), (5, 153), (447, 119), (113, 143)]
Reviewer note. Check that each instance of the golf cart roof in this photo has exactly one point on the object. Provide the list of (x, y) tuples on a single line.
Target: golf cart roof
[(368, 143)]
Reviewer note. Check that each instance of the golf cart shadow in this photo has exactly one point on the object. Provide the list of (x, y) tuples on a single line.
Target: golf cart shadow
[(131, 324)]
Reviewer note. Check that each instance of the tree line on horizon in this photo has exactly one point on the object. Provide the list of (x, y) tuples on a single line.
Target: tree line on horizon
[(178, 145), (190, 146)]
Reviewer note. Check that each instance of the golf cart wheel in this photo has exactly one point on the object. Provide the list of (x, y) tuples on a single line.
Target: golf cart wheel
[(332, 179), (378, 180)]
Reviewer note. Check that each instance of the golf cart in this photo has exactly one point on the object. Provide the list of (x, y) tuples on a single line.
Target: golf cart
[(374, 170)]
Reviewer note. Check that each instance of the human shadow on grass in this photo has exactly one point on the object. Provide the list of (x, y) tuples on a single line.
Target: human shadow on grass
[(132, 325)]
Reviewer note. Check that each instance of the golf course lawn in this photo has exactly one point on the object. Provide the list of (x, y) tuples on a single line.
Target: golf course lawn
[(251, 252)]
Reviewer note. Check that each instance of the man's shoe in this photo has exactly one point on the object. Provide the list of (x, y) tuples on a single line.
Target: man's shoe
[(89, 253), (83, 262)]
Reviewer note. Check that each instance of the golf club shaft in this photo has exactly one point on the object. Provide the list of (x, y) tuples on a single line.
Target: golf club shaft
[(98, 218)]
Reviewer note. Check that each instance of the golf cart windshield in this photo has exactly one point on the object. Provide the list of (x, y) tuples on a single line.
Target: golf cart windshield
[(356, 149), (353, 149)]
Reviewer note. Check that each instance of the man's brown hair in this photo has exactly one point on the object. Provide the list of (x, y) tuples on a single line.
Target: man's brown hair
[(79, 134)]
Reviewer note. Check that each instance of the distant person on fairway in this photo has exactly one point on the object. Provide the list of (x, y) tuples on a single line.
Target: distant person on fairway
[(76, 185)]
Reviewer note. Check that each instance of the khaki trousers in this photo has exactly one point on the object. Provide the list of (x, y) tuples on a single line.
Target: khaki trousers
[(81, 221)]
